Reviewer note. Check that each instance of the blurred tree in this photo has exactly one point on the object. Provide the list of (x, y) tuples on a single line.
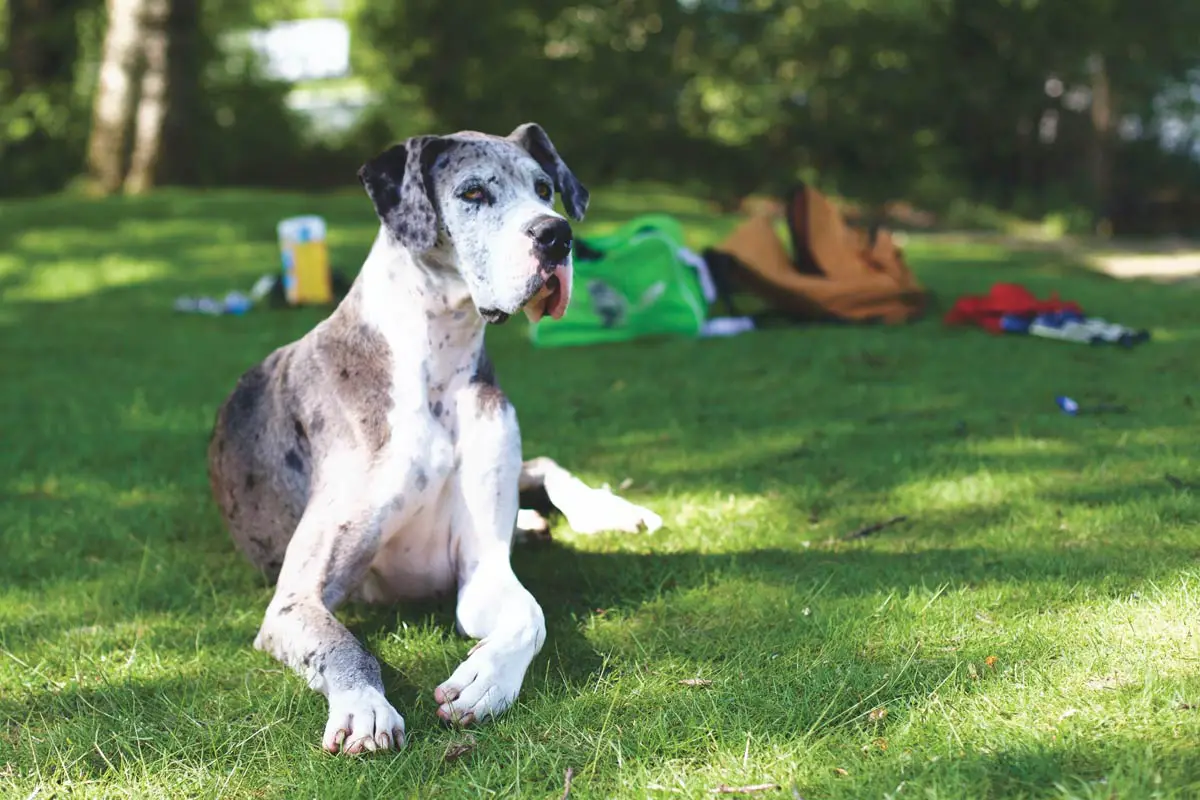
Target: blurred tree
[(149, 84), (153, 95), (602, 78), (40, 46), (1029, 105), (116, 94)]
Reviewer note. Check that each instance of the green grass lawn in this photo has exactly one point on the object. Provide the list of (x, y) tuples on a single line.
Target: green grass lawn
[(1032, 630)]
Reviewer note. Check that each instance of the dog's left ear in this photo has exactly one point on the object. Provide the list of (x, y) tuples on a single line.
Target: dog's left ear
[(534, 140), (397, 181)]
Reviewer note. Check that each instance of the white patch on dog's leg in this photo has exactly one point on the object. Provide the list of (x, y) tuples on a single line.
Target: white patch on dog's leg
[(588, 510), (496, 609), (493, 606), (530, 525), (530, 520)]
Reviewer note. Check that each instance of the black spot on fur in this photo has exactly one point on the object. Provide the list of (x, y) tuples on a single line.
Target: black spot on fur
[(246, 396), (287, 609), (365, 367), (491, 399), (485, 371), (437, 408), (251, 480), (398, 183), (293, 461), (422, 479)]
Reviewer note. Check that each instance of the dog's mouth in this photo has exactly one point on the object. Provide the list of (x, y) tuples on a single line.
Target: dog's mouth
[(552, 298), (494, 316)]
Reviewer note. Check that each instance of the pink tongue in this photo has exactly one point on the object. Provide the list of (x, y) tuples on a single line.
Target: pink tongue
[(562, 297), (552, 299)]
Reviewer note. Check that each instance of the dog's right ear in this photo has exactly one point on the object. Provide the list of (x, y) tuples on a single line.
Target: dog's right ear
[(397, 181), (533, 139)]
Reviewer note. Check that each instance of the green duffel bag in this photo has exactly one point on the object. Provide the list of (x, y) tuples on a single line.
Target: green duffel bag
[(629, 284)]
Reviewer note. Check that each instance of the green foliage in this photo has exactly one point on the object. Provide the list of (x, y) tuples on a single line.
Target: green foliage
[(939, 102), (873, 96), (600, 77), (44, 115)]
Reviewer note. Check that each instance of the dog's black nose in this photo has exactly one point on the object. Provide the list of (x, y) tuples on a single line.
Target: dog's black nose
[(552, 238)]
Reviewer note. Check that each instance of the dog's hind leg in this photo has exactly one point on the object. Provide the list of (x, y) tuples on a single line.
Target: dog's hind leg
[(587, 509), (326, 559), (493, 606)]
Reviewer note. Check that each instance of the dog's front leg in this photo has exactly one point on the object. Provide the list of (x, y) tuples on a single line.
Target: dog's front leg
[(493, 606), (326, 559)]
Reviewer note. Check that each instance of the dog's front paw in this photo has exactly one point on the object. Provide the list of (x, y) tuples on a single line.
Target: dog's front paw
[(605, 511), (483, 686), (362, 720)]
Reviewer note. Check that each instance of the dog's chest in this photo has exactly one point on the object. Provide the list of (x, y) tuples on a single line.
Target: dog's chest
[(416, 558)]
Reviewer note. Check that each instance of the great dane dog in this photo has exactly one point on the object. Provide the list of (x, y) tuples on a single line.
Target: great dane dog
[(376, 459)]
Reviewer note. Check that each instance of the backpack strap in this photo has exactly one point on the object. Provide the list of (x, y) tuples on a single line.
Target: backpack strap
[(723, 268), (796, 203)]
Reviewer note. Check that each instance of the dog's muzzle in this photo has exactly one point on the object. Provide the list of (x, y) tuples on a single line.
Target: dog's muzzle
[(550, 290)]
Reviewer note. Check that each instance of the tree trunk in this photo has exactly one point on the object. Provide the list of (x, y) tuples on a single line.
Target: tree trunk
[(187, 51), (115, 94), (1100, 151), (153, 100)]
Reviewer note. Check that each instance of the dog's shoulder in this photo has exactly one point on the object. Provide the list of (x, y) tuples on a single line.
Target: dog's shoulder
[(351, 361)]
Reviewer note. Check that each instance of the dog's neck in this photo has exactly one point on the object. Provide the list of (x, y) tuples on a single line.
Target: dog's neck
[(423, 309)]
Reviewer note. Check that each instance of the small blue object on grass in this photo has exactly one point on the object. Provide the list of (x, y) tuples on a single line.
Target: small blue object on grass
[(1068, 405), (232, 303), (1073, 408)]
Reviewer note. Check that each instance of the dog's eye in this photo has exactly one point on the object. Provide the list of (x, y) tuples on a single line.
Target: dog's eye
[(543, 190), (474, 194)]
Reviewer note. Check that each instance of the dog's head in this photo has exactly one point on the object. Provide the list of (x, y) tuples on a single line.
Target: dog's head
[(484, 206)]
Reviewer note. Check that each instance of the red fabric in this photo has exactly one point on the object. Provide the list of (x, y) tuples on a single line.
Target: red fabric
[(1004, 299)]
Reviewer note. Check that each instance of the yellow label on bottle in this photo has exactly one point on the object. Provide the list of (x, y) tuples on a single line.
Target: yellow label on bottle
[(311, 279)]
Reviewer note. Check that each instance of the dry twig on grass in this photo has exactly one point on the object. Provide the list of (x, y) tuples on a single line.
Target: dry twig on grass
[(456, 750), (758, 787), (862, 533)]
